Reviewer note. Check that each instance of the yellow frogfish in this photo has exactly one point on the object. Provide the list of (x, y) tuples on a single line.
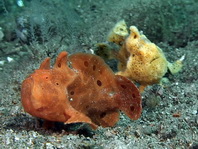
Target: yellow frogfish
[(139, 59), (146, 63)]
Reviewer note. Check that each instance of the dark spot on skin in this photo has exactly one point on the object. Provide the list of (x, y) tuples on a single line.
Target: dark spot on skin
[(86, 63), (59, 65), (94, 67), (46, 77), (132, 108), (102, 115), (123, 86), (99, 83), (133, 95), (57, 83), (72, 93)]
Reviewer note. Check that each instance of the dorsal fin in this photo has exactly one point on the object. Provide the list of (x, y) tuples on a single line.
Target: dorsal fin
[(61, 61), (89, 65), (45, 64)]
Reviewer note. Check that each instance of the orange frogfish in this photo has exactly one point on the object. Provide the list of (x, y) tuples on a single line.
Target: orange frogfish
[(79, 88)]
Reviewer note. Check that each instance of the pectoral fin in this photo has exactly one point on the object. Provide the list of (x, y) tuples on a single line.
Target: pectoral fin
[(77, 117)]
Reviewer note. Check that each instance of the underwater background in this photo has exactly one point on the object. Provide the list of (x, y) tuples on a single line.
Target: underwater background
[(31, 30)]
